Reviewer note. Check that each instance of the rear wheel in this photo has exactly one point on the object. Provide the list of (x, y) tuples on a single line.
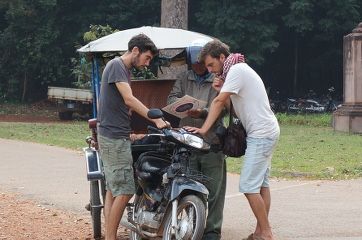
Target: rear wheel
[(191, 215), (95, 209)]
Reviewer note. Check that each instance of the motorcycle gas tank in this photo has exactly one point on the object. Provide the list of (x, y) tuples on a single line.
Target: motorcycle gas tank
[(150, 167)]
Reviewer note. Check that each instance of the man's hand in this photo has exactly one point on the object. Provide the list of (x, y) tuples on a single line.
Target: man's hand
[(194, 113), (195, 130), (217, 84), (161, 123), (133, 137)]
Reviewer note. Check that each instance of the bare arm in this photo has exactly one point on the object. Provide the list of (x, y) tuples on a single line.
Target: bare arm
[(135, 104), (215, 109)]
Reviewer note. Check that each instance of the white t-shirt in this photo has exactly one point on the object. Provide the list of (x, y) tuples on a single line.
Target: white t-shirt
[(251, 102)]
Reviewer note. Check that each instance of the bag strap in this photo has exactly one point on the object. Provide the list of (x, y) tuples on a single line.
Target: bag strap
[(230, 112)]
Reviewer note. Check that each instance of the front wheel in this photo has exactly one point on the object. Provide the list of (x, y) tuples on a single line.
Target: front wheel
[(191, 215)]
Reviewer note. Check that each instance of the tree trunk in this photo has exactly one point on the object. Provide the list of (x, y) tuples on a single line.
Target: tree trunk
[(25, 83), (174, 14), (295, 78)]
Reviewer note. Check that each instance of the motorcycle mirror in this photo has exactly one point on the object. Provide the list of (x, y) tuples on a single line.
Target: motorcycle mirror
[(155, 113)]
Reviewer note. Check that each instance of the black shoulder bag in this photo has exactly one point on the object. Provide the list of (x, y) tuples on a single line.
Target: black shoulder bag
[(235, 137)]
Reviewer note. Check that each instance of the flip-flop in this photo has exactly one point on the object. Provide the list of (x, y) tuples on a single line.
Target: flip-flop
[(250, 237)]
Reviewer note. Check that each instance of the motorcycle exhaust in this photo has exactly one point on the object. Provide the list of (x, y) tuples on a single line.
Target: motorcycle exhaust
[(130, 226), (133, 228)]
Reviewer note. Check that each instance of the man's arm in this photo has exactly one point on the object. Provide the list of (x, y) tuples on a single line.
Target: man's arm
[(135, 104), (215, 109)]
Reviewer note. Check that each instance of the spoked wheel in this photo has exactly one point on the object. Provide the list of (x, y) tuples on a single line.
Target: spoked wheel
[(95, 209), (191, 215)]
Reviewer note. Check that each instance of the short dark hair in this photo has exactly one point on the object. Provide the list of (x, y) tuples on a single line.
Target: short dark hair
[(214, 48), (143, 43)]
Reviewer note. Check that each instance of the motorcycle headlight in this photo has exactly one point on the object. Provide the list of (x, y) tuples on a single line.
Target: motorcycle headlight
[(191, 140)]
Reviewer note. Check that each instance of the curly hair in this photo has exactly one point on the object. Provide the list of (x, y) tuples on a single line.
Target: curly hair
[(214, 49), (143, 43)]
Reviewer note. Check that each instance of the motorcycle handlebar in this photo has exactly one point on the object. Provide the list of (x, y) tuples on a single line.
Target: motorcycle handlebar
[(152, 129)]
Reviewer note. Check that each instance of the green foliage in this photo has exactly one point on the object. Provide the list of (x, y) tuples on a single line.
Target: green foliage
[(144, 73), (28, 46), (98, 31), (81, 69), (245, 25), (300, 16), (38, 38), (269, 32)]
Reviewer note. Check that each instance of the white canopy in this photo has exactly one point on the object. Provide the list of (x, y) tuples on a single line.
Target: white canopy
[(164, 38)]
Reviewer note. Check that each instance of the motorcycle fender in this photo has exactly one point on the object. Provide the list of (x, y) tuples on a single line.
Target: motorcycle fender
[(181, 184)]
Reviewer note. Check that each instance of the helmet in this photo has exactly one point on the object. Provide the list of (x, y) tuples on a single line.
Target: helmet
[(193, 51)]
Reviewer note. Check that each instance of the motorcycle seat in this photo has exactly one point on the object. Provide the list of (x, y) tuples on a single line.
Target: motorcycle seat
[(149, 165)]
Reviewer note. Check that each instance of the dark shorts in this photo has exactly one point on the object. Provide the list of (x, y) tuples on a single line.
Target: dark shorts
[(117, 162)]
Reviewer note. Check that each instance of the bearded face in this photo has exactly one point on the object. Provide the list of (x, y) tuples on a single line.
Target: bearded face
[(141, 60), (215, 65)]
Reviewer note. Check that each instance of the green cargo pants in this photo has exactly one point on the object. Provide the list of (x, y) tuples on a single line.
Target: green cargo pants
[(213, 166)]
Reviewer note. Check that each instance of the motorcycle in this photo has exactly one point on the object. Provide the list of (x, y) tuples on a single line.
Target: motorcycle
[(301, 105), (171, 199)]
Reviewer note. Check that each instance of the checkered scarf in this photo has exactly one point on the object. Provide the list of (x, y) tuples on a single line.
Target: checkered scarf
[(232, 59)]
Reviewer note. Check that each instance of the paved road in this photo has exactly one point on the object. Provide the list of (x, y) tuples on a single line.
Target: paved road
[(301, 210)]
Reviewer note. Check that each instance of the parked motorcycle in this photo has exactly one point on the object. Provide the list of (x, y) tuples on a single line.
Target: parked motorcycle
[(301, 105), (170, 201)]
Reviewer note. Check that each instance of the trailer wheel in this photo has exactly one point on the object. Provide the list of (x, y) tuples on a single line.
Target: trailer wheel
[(66, 115), (95, 209)]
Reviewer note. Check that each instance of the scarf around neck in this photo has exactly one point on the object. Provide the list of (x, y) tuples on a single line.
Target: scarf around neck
[(231, 60)]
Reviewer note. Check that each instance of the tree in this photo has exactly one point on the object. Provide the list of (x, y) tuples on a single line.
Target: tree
[(244, 25), (28, 35), (317, 28), (39, 39), (174, 14), (300, 20)]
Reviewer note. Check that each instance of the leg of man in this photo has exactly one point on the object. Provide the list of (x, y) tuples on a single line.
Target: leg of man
[(256, 203), (115, 214), (254, 182), (213, 165), (117, 165), (265, 194), (107, 206)]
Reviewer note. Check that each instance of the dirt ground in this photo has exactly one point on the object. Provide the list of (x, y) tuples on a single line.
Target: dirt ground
[(42, 111), (22, 218), (25, 219)]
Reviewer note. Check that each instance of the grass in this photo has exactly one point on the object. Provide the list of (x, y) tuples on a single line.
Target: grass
[(313, 153), (308, 147), (68, 135)]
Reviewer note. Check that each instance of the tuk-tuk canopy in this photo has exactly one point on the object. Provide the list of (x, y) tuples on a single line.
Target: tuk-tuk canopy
[(164, 38)]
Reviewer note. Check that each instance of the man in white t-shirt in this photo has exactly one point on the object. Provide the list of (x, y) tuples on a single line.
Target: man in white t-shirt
[(239, 83)]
